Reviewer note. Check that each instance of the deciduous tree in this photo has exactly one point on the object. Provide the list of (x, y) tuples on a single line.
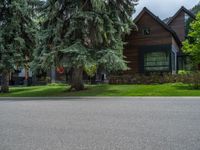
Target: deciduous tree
[(192, 45)]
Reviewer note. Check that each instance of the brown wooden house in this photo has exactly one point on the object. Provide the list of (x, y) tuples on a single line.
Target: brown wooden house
[(156, 46)]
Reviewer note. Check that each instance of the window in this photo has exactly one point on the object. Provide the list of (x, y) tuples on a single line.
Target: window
[(156, 61), (187, 17), (173, 57), (146, 31), (187, 21)]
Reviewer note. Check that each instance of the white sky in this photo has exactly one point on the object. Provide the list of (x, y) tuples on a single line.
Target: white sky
[(164, 8)]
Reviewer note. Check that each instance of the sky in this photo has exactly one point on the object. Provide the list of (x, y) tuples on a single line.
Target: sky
[(164, 8)]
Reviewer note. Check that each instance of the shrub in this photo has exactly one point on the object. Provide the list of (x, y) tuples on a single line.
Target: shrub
[(183, 72), (193, 79), (153, 78)]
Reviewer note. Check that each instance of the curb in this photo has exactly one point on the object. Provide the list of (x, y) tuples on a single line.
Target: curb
[(102, 98)]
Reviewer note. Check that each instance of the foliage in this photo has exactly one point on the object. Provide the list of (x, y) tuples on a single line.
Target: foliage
[(192, 45), (153, 78), (195, 11), (17, 34), (91, 70), (186, 77), (183, 72), (193, 79), (196, 8), (81, 33)]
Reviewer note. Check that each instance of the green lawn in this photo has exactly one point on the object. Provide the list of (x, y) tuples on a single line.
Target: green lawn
[(104, 90)]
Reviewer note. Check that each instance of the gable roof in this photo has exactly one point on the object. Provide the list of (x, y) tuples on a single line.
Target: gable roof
[(178, 12), (157, 19)]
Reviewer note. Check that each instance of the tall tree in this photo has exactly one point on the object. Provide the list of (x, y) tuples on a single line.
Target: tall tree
[(196, 8), (16, 36), (192, 45), (195, 11), (78, 34)]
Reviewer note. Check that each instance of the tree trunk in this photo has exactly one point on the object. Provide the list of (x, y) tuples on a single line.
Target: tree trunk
[(53, 74), (5, 81), (26, 76), (77, 79)]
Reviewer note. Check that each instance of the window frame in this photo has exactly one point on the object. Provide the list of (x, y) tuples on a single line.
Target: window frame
[(144, 29), (164, 64)]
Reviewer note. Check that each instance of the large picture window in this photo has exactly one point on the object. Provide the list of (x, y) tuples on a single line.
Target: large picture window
[(156, 61)]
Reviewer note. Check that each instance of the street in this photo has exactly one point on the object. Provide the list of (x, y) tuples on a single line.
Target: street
[(100, 124)]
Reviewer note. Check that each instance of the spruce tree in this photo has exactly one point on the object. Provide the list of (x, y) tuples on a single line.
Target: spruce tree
[(17, 36), (78, 34)]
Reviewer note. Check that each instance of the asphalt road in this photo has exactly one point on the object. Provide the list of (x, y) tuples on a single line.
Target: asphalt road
[(100, 124)]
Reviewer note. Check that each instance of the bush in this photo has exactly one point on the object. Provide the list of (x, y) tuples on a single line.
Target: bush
[(153, 78), (183, 72), (191, 78)]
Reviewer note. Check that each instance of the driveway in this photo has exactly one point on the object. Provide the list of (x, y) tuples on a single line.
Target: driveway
[(100, 124)]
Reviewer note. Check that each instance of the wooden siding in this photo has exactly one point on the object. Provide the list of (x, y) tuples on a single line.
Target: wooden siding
[(174, 43), (178, 25), (158, 36)]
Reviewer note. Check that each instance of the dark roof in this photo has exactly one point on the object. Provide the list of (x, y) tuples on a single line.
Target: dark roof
[(166, 20), (179, 11), (157, 19)]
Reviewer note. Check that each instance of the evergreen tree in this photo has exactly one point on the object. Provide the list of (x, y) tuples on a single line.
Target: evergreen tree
[(196, 8), (78, 34), (195, 11), (16, 37)]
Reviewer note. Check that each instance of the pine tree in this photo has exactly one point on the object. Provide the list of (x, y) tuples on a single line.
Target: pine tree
[(16, 37), (195, 11), (196, 8), (78, 34)]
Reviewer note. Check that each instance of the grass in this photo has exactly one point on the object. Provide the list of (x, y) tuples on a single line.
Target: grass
[(177, 89)]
